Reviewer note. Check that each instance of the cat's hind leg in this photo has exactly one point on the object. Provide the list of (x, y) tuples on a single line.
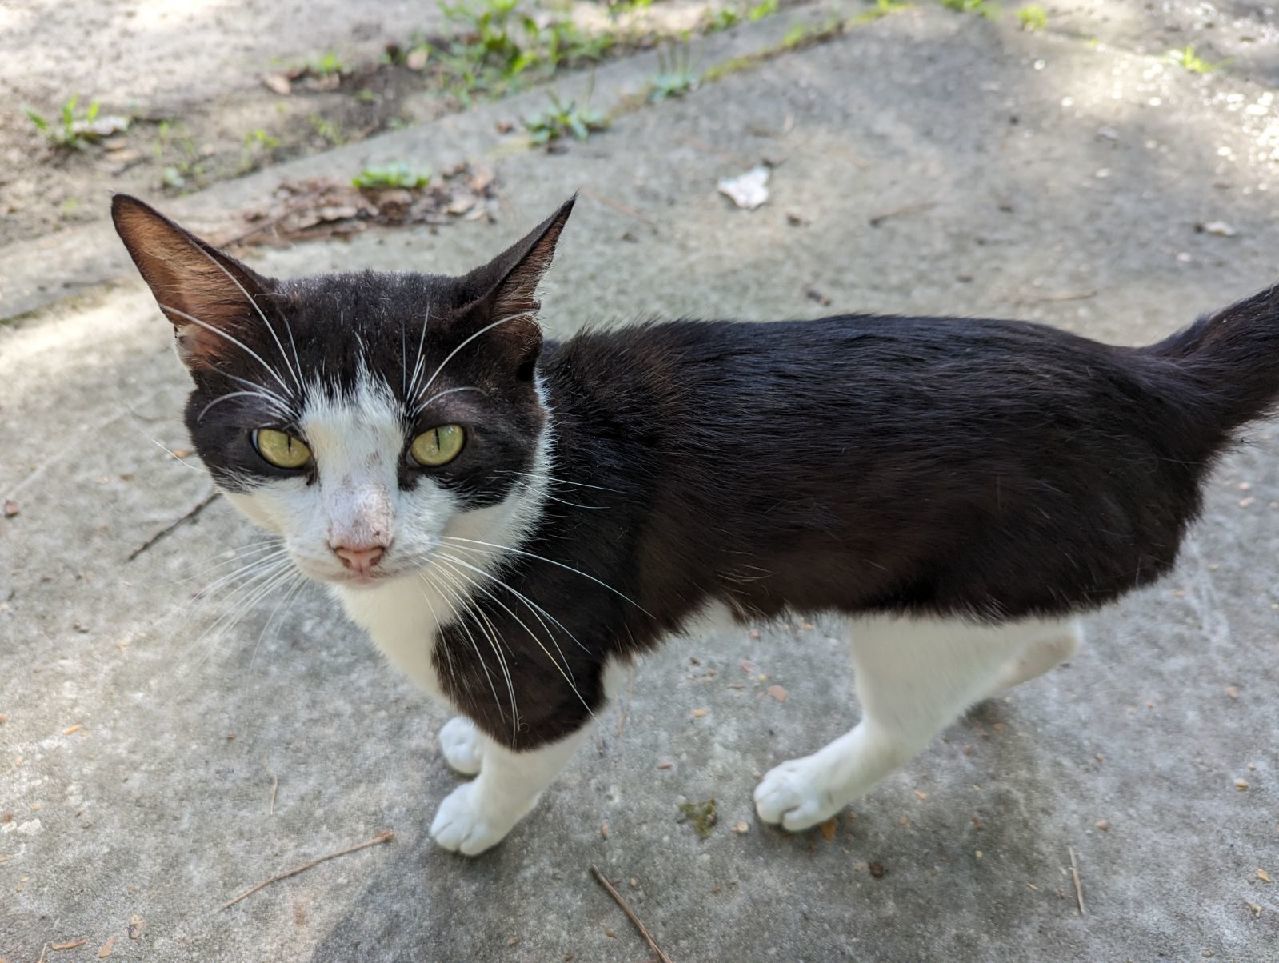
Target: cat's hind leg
[(913, 677), (1040, 654)]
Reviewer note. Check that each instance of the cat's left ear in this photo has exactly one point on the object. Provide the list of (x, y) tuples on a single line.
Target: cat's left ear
[(505, 289)]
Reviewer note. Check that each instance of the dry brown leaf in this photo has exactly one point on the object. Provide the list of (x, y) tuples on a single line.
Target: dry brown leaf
[(877, 870), (1264, 876), (278, 84), (107, 948), (828, 829), (137, 926), (320, 208), (665, 764), (1241, 785), (604, 829), (71, 730), (1255, 907), (920, 795), (741, 826), (69, 945), (698, 713), (1103, 825), (10, 508), (1232, 691), (778, 693)]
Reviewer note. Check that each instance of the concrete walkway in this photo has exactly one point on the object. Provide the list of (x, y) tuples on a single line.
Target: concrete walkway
[(153, 767)]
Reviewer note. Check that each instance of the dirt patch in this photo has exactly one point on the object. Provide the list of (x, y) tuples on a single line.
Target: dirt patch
[(230, 137), (323, 208), (211, 95)]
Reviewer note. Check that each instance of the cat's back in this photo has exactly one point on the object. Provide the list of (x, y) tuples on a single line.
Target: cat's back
[(875, 363)]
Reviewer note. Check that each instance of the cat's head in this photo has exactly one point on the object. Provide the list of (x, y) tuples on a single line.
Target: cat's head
[(361, 417)]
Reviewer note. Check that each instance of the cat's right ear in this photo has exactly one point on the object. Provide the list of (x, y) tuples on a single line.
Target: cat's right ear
[(206, 294)]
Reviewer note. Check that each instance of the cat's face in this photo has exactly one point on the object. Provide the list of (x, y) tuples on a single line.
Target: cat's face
[(364, 417)]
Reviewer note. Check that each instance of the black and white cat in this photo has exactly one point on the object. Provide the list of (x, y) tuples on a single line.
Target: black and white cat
[(513, 520)]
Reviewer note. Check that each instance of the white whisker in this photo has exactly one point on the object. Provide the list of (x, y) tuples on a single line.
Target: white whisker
[(490, 632), (449, 561), (172, 454), (283, 403), (560, 481), (235, 341), (297, 374), (537, 610), (551, 561), (436, 397), (291, 592), (417, 362), (465, 342), (228, 397), (460, 612), (448, 652)]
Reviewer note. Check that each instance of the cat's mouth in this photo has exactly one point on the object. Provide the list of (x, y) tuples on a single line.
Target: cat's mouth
[(363, 580), (347, 578)]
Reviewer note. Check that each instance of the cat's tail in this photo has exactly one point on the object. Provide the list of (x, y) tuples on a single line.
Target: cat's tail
[(1229, 361)]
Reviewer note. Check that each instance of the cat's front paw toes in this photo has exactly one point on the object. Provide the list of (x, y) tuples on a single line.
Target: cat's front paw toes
[(794, 795), (463, 826), (460, 743)]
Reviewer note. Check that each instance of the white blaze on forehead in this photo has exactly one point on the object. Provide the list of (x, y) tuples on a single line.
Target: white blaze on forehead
[(357, 440)]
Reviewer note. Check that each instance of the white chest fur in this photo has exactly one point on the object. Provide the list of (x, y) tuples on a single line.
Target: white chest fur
[(401, 618)]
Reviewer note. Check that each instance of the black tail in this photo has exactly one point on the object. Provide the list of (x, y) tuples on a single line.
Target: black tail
[(1232, 359)]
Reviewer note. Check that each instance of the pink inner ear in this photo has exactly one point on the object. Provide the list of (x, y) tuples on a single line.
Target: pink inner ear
[(189, 281), (197, 346)]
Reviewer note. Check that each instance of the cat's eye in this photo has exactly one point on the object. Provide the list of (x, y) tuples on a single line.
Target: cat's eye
[(281, 449), (437, 446)]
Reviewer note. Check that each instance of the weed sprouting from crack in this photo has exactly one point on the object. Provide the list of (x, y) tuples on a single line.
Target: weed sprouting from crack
[(561, 118)]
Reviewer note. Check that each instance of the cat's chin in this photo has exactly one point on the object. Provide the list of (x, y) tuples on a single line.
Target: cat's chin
[(349, 580)]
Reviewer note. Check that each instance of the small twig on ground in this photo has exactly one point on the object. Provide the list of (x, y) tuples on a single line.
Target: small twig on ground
[(1053, 298), (879, 219), (383, 837), (260, 228), (275, 785), (1079, 888), (617, 206), (189, 516), (630, 915)]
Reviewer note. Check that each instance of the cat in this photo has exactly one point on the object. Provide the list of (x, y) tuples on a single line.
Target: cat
[(512, 520)]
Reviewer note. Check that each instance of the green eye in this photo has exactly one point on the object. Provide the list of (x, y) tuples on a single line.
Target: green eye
[(437, 446), (281, 449)]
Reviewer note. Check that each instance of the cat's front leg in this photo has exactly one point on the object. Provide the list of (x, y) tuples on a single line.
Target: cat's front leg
[(462, 746), (479, 814)]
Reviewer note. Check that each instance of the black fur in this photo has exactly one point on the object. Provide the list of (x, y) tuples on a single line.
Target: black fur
[(972, 468), (919, 466)]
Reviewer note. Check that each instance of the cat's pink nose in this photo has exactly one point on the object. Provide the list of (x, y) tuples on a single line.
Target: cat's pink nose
[(360, 560)]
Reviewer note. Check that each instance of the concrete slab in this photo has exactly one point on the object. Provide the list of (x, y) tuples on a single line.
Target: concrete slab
[(151, 767)]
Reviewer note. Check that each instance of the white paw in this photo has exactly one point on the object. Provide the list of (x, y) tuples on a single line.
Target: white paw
[(462, 825), (460, 743), (795, 794)]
